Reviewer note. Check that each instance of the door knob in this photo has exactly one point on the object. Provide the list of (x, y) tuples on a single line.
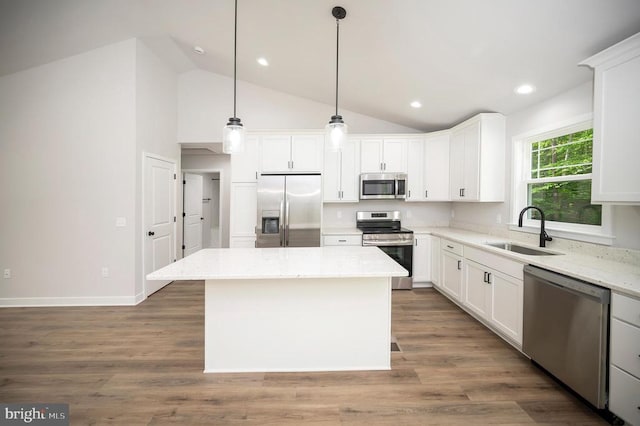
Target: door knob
[(151, 233)]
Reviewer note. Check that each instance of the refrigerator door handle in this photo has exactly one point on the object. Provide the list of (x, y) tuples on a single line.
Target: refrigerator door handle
[(282, 218), (286, 224)]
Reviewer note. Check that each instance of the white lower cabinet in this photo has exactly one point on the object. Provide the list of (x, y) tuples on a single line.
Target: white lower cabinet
[(624, 372), (421, 267), (451, 268), (494, 291), (435, 260)]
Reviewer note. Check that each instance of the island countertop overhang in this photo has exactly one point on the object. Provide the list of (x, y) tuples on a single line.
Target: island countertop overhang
[(282, 263)]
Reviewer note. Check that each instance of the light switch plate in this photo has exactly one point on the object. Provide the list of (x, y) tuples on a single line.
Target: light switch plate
[(7, 273), (121, 222)]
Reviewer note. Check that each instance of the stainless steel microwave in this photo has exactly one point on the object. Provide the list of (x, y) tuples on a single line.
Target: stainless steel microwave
[(380, 186)]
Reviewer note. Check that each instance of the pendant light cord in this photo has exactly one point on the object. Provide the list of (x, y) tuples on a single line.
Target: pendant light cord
[(235, 51), (337, 59)]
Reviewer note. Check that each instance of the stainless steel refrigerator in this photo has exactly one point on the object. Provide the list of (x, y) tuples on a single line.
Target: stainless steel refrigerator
[(289, 210)]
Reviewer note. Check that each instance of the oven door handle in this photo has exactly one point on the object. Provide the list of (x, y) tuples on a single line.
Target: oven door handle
[(387, 243)]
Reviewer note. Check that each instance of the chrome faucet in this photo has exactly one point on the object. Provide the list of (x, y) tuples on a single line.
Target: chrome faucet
[(544, 237)]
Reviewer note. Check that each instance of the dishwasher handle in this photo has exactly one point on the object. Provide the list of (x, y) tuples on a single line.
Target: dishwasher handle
[(600, 294)]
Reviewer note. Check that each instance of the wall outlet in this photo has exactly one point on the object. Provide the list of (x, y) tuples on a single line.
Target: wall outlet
[(7, 273), (105, 272), (121, 222)]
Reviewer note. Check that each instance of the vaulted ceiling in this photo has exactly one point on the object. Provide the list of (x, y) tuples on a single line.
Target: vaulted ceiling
[(457, 57)]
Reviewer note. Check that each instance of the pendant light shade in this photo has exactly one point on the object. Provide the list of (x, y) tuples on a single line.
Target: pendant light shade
[(336, 131), (233, 132)]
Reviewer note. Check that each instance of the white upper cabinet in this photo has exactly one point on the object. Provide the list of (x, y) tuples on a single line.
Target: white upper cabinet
[(436, 167), (298, 153), (383, 155), (244, 165), (340, 175), (415, 170), (477, 159), (616, 127)]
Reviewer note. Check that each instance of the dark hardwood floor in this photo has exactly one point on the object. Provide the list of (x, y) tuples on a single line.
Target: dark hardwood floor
[(143, 365)]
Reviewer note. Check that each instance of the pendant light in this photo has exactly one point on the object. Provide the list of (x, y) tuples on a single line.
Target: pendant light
[(233, 132), (336, 130)]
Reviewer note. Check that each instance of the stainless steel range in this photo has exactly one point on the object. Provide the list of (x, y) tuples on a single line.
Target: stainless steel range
[(384, 230)]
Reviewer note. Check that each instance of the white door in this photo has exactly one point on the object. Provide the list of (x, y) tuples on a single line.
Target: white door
[(415, 170), (395, 155), (421, 258), (477, 295), (350, 171), (306, 153), (371, 156), (451, 274), (192, 235), (331, 176), (159, 218), (436, 168)]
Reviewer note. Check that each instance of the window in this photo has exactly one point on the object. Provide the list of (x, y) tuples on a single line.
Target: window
[(552, 171)]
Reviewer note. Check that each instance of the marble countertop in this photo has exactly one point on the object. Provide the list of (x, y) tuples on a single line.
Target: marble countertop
[(621, 277), (290, 262)]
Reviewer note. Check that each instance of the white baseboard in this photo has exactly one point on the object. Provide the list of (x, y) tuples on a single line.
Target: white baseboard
[(29, 302), (422, 285)]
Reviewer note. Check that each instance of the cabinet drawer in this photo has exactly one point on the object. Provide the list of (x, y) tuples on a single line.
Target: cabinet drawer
[(342, 240), (624, 396), (626, 309), (625, 346), (452, 247)]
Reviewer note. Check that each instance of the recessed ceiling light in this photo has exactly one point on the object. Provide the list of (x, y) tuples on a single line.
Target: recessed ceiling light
[(525, 89), (416, 104), (263, 62), (199, 50)]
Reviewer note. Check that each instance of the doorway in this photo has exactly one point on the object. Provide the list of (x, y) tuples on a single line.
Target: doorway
[(201, 211)]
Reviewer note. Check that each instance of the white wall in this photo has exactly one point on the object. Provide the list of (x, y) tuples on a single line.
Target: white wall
[(156, 133), (205, 103), (67, 170), (565, 106), (72, 135)]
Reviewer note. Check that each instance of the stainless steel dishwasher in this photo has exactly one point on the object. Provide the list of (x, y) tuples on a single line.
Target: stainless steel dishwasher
[(566, 330)]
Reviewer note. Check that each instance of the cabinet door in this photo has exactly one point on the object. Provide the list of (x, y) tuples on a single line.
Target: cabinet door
[(421, 268), (276, 154), (243, 210), (477, 294), (349, 168), (436, 168), (435, 260), (306, 153), (456, 165), (371, 156), (616, 175), (244, 165), (415, 170), (394, 155), (471, 174), (331, 176), (451, 274), (506, 305)]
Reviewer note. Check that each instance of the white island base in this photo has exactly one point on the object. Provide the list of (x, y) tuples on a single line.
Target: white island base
[(314, 324), (293, 309)]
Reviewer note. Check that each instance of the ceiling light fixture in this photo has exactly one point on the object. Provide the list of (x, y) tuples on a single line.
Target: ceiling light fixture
[(263, 62), (524, 89), (336, 130), (233, 132), (416, 104)]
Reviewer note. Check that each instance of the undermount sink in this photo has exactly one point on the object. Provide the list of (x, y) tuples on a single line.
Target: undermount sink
[(522, 249)]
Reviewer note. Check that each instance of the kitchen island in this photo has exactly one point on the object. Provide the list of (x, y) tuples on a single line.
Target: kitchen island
[(293, 309)]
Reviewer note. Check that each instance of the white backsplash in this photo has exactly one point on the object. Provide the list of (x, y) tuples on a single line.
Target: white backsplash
[(615, 254), (343, 215)]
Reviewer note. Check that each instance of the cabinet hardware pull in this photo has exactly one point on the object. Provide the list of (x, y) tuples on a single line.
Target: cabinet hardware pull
[(459, 265), (381, 166), (151, 233), (451, 247), (416, 241), (342, 241), (488, 277), (425, 193), (485, 279), (409, 193)]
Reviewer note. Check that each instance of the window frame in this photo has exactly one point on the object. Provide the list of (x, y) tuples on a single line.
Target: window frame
[(522, 178)]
